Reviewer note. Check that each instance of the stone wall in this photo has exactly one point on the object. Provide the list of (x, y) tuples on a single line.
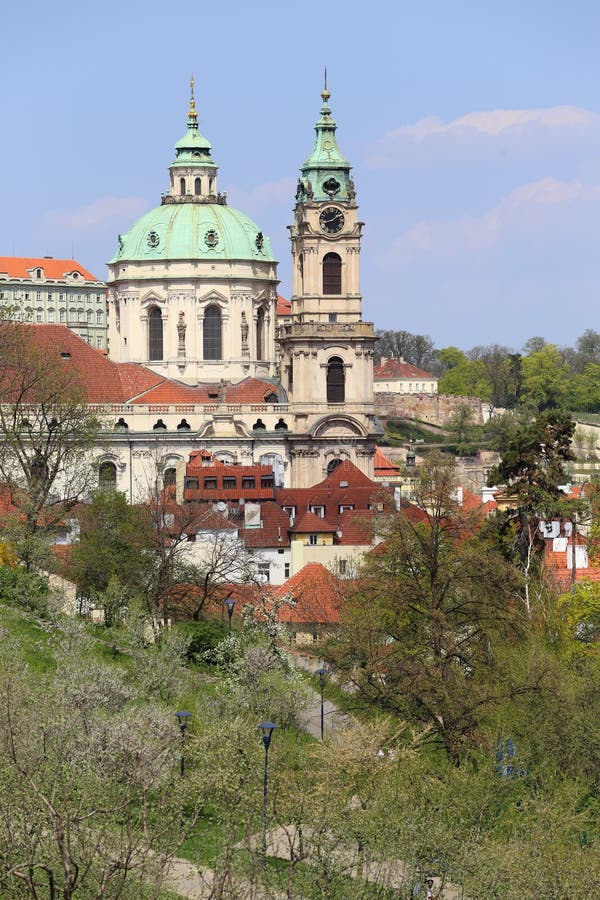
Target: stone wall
[(437, 409)]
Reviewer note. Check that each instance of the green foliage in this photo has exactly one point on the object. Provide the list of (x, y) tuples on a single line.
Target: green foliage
[(533, 460), (113, 547), (24, 589), (465, 378), (545, 379), (202, 637), (464, 431), (427, 613)]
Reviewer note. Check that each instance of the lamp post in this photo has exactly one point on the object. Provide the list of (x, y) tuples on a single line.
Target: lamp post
[(267, 729), (183, 717), (322, 673), (230, 604)]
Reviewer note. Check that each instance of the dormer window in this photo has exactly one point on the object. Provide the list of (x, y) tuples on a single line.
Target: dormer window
[(38, 273), (318, 511)]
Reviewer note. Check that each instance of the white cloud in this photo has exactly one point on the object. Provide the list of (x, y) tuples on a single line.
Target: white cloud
[(102, 214), (493, 134), (540, 207), (271, 193)]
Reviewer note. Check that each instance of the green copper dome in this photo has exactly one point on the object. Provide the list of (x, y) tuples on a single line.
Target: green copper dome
[(208, 231)]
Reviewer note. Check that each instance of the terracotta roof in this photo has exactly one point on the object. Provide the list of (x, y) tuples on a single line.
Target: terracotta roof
[(345, 486), (349, 473), (250, 390), (317, 594), (310, 523), (397, 368), (54, 269), (273, 531), (105, 381), (284, 307), (356, 526), (384, 466)]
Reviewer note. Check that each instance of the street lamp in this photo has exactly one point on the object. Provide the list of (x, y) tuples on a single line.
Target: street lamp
[(183, 717), (267, 729), (322, 673), (230, 604)]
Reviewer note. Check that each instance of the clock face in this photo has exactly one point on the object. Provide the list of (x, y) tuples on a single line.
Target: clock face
[(331, 220)]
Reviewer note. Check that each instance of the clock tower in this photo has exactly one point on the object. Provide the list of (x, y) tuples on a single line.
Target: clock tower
[(326, 349)]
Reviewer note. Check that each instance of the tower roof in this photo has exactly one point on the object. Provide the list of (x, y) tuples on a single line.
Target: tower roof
[(326, 171), (193, 147)]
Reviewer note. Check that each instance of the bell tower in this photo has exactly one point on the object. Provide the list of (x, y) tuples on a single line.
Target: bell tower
[(326, 348)]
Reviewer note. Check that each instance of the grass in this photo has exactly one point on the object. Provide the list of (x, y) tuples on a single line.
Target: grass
[(411, 430), (33, 638)]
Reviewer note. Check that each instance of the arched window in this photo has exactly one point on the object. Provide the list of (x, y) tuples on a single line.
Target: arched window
[(107, 476), (182, 186), (332, 465), (336, 380), (260, 334), (197, 187), (155, 334), (301, 272), (332, 273), (212, 333)]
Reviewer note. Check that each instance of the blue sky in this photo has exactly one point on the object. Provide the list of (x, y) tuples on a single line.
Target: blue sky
[(473, 129)]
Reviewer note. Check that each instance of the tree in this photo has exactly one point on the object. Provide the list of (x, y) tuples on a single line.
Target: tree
[(86, 765), (504, 373), (588, 344), (46, 429), (534, 345), (114, 546), (532, 464), (545, 379), (417, 349), (532, 468), (467, 378), (464, 430), (431, 606)]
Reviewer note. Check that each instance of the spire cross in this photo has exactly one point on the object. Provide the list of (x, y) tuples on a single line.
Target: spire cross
[(325, 94), (192, 114)]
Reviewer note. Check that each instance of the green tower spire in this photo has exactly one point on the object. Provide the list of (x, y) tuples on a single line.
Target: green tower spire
[(326, 172), (193, 148)]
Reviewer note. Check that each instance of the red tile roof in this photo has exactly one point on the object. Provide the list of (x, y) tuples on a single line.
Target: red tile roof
[(356, 527), (250, 390), (345, 486), (105, 381), (397, 368), (384, 466), (273, 531), (284, 307), (311, 523), (54, 269), (317, 594)]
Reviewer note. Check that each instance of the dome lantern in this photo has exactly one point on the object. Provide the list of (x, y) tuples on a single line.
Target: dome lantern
[(193, 171)]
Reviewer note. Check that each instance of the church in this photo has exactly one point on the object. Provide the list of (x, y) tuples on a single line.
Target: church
[(203, 352)]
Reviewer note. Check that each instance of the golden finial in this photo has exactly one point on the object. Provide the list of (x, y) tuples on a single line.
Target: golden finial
[(192, 114), (325, 94)]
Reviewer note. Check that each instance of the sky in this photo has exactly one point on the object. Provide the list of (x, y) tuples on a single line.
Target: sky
[(473, 129)]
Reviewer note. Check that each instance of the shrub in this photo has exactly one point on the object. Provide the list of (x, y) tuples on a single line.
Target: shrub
[(24, 589), (202, 636)]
